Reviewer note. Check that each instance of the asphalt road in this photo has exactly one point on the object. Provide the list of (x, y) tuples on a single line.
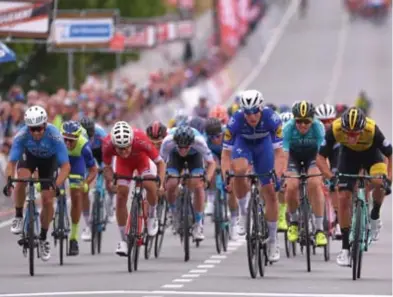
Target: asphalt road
[(321, 57)]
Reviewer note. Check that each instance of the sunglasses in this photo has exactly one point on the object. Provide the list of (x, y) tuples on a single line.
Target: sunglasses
[(122, 148), (352, 133), (69, 140), (303, 121), (36, 129), (251, 111), (215, 136), (184, 147)]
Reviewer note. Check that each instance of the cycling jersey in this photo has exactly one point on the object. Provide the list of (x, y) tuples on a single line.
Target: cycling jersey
[(51, 144), (256, 144), (99, 135), (199, 146)]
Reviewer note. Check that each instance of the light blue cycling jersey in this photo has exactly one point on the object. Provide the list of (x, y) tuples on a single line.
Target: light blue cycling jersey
[(216, 149), (297, 142), (199, 146), (99, 135), (51, 144)]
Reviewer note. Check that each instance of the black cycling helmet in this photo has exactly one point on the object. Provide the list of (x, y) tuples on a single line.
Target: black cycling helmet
[(213, 127), (271, 106), (353, 119), (197, 123), (184, 136), (156, 130), (89, 126), (303, 109)]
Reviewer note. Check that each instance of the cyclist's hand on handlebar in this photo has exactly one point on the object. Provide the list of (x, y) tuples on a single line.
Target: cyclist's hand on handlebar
[(388, 186), (333, 181), (7, 190), (161, 191)]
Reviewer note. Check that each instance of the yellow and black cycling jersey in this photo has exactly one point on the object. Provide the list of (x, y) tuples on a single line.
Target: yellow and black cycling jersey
[(371, 138)]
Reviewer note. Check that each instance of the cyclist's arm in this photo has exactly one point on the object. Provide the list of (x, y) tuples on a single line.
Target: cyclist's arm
[(324, 151), (200, 146), (385, 147), (168, 144), (90, 164), (229, 140), (107, 156), (16, 151)]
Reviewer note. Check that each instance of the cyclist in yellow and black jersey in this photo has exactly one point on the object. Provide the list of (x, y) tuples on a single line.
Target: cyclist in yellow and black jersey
[(362, 146)]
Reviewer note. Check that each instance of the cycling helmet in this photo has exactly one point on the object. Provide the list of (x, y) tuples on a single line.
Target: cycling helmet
[(156, 130), (122, 134), (197, 123), (219, 112), (303, 109), (35, 116), (271, 106), (213, 127), (251, 99), (325, 112), (284, 108), (184, 136), (89, 126), (71, 130), (286, 116), (353, 119), (341, 108)]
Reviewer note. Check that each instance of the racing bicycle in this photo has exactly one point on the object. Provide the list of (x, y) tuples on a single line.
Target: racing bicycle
[(221, 220)]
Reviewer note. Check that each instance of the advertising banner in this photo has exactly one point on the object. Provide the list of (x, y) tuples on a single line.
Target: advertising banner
[(174, 30), (228, 25), (94, 30), (26, 18), (137, 33)]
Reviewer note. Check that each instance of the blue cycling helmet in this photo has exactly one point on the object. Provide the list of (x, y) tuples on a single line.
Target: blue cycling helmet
[(197, 123), (284, 108), (71, 130)]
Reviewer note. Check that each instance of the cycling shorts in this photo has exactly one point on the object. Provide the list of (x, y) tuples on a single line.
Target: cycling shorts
[(176, 163), (141, 164), (351, 162), (97, 154), (260, 155), (47, 167), (333, 158)]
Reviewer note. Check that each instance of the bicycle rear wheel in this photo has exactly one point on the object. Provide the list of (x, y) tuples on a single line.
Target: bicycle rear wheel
[(217, 222), (162, 216), (31, 235), (253, 248), (225, 225), (186, 224), (356, 252)]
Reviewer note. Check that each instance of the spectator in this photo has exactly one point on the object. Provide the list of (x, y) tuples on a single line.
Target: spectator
[(202, 109)]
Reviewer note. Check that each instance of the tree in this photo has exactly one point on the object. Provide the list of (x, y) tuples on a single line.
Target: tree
[(50, 69)]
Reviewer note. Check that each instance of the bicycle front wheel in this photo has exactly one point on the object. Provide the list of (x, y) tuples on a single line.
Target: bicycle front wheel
[(355, 249), (186, 224), (61, 229), (218, 222), (162, 217), (132, 231), (31, 235), (94, 223), (306, 220), (253, 247)]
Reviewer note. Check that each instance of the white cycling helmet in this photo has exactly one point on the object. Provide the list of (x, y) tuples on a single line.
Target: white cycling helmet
[(251, 99), (325, 112), (122, 134), (286, 116), (35, 116)]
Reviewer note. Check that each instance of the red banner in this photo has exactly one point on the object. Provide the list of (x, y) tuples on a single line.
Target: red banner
[(228, 24), (137, 34), (243, 10), (169, 31)]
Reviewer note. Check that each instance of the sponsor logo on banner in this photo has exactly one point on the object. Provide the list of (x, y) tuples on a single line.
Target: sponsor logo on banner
[(26, 18), (243, 15), (166, 32), (137, 35), (228, 24)]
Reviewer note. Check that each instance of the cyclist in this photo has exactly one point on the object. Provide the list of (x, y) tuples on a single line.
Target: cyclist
[(362, 144), (363, 102), (282, 224), (179, 118), (326, 113), (197, 123), (303, 136), (283, 108), (214, 132), (253, 136), (156, 131), (219, 112), (340, 108), (95, 134), (234, 107), (38, 145), (81, 158), (133, 151), (185, 144)]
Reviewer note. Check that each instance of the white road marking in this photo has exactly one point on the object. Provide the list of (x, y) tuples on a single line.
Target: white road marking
[(339, 59), (198, 271), (187, 293), (190, 275), (218, 257), (205, 266), (182, 280), (172, 286), (232, 248), (214, 261), (5, 223)]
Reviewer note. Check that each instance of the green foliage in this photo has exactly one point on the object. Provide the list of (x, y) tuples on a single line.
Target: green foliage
[(50, 69)]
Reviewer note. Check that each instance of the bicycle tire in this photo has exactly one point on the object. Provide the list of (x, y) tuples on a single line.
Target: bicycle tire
[(61, 229), (217, 222), (94, 223), (31, 235), (287, 245), (306, 219), (186, 227), (161, 210), (225, 226), (131, 236), (265, 235), (326, 226), (139, 232), (355, 249), (148, 246), (253, 250)]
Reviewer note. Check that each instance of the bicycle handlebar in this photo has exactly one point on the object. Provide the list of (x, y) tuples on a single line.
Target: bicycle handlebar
[(302, 176), (271, 174), (385, 181), (31, 180), (187, 176), (134, 178)]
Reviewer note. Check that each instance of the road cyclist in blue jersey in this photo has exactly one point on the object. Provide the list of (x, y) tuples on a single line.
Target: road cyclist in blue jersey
[(303, 137), (95, 135), (82, 161), (214, 133), (253, 136), (37, 146), (186, 144)]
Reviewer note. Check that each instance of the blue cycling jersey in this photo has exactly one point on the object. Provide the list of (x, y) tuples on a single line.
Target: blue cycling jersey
[(99, 135), (256, 144), (297, 142), (49, 145)]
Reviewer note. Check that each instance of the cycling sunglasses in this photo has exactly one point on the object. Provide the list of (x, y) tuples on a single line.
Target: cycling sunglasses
[(251, 111), (215, 136), (37, 129), (303, 121)]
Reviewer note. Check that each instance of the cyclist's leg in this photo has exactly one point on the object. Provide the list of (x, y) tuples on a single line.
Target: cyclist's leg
[(174, 166), (348, 163), (376, 166), (25, 167), (292, 199), (333, 159), (122, 167), (195, 164), (211, 192), (47, 168)]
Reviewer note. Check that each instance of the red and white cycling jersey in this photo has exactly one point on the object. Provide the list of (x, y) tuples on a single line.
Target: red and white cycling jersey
[(142, 151)]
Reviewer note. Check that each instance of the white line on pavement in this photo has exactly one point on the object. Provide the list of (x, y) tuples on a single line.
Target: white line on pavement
[(214, 261), (205, 266), (190, 275), (172, 286), (198, 271), (182, 280)]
